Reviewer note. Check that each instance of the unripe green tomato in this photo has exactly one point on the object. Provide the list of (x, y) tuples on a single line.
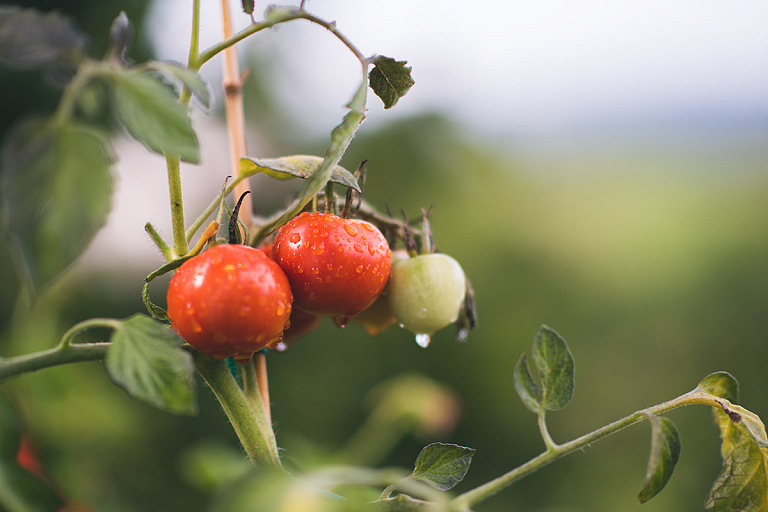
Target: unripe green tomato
[(426, 292)]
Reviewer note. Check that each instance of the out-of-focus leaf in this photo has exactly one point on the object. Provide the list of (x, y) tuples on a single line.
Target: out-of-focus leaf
[(29, 38), (120, 34), (184, 75), (527, 389), (10, 429), (57, 189), (665, 452), (153, 115), (146, 359), (20, 491), (402, 503), (742, 485), (296, 166), (442, 466), (390, 79), (553, 359)]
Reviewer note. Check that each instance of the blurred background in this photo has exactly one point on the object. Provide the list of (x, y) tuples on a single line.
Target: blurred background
[(596, 166)]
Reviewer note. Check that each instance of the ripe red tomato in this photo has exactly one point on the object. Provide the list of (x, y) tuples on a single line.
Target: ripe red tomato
[(336, 266), (230, 301)]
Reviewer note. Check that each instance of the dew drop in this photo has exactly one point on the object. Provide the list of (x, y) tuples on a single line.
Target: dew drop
[(341, 321), (423, 340), (358, 247), (318, 249), (352, 230), (462, 335), (300, 269), (368, 227), (371, 249), (281, 347), (312, 296), (294, 238), (359, 269), (280, 308)]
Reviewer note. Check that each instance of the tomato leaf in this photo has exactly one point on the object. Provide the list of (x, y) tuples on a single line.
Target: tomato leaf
[(390, 79), (21, 490), (29, 38), (527, 389), (720, 384), (665, 452), (553, 359), (248, 6), (57, 190), (153, 116), (442, 466), (146, 359), (296, 166), (186, 76), (742, 485)]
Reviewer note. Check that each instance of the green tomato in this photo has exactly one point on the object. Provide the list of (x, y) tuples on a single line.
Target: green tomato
[(426, 293)]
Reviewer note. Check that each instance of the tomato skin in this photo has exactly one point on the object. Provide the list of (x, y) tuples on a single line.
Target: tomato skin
[(426, 292), (229, 301), (336, 266)]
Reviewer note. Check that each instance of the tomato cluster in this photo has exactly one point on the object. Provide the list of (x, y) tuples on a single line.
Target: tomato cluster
[(234, 300)]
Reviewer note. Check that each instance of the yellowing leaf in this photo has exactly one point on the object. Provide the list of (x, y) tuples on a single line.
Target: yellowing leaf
[(295, 166)]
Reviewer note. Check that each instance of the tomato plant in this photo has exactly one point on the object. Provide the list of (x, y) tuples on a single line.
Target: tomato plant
[(234, 301), (230, 301), (336, 266)]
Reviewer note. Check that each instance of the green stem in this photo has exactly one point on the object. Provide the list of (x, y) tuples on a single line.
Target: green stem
[(548, 442), (466, 500), (73, 353), (247, 419), (277, 17)]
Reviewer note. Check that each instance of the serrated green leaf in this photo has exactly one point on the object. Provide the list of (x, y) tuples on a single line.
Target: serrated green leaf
[(153, 115), (295, 166), (390, 80), (553, 360), (146, 359), (186, 76), (527, 389), (742, 485), (665, 452), (720, 384), (57, 190), (248, 6), (29, 38), (442, 466), (20, 490)]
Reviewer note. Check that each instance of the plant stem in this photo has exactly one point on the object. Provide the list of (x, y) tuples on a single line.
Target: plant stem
[(466, 500), (73, 353), (247, 418)]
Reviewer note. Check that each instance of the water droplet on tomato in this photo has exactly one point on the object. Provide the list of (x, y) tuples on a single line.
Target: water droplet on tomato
[(462, 335), (318, 249), (341, 320), (312, 296), (367, 226), (315, 270), (358, 247), (352, 230), (371, 249), (294, 238), (281, 347), (359, 269), (422, 313), (280, 308), (196, 327), (423, 340), (300, 269)]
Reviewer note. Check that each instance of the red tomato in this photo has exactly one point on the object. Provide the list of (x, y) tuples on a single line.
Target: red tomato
[(336, 266), (230, 301)]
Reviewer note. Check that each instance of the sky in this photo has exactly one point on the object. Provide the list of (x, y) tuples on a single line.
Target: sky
[(513, 66)]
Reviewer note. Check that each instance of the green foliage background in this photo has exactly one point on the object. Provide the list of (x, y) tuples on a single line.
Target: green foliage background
[(649, 259)]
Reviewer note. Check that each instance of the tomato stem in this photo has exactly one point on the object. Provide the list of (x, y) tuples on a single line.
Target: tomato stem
[(247, 416)]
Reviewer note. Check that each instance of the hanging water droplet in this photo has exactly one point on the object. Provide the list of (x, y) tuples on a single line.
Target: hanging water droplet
[(281, 347), (341, 320), (423, 340), (462, 335)]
